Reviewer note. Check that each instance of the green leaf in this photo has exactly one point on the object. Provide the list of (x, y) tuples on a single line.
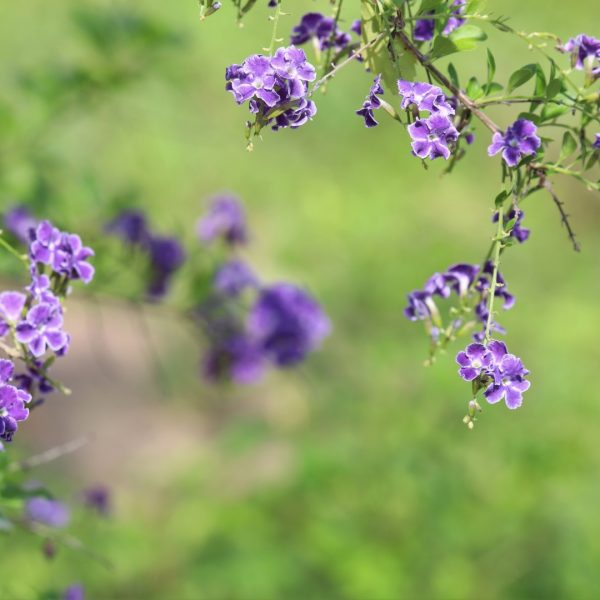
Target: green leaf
[(540, 81), (520, 77), (501, 197), (442, 46), (428, 5), (475, 6), (569, 145), (551, 111), (553, 88), (491, 67), (530, 117), (467, 36), (474, 90), (453, 75), (492, 88)]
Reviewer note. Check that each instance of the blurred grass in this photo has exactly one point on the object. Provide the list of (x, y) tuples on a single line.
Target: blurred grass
[(374, 489)]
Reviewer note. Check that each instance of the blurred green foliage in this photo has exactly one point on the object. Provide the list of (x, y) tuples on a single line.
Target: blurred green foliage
[(355, 479)]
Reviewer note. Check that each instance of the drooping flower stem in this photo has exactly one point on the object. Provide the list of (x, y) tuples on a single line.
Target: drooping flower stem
[(275, 19), (327, 62), (4, 244), (497, 247)]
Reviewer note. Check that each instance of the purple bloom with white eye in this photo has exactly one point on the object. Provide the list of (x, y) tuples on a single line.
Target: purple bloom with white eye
[(508, 377), (474, 360), (432, 137), (52, 513), (20, 222), (255, 78), (45, 242), (521, 234), (225, 219), (596, 143), (287, 324), (76, 591), (424, 29), (11, 307), (291, 63), (425, 97), (371, 103), (583, 48), (13, 401), (71, 258), (233, 277), (42, 329), (456, 19), (131, 226), (519, 140)]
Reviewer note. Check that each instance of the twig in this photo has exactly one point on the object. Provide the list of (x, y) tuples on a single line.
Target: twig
[(564, 217), (49, 455)]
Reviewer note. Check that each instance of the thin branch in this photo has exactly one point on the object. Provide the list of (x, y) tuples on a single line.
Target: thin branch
[(564, 217), (49, 455)]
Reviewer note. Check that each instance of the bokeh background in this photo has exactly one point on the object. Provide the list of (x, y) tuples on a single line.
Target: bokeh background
[(353, 477)]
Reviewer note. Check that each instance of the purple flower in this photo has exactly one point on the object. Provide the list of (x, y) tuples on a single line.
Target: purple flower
[(236, 358), (42, 328), (312, 25), (456, 20), (19, 221), (234, 277), (131, 226), (11, 307), (97, 497), (287, 324), (521, 234), (596, 144), (70, 258), (356, 27), (431, 137), (166, 257), (418, 308), (474, 360), (462, 277), (52, 513), (13, 402), (508, 377), (34, 379), (519, 140), (45, 242), (254, 79), (425, 97), (225, 218), (296, 116), (76, 591), (291, 63), (371, 103), (583, 48), (424, 29)]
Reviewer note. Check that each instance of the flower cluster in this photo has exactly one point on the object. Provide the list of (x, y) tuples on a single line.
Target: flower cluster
[(165, 254), (31, 322), (275, 87), (424, 29), (519, 140), (250, 325), (585, 53), (371, 103), (434, 136), (471, 283), (492, 368), (323, 31)]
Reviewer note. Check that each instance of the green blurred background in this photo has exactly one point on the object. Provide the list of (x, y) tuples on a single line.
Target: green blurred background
[(354, 478)]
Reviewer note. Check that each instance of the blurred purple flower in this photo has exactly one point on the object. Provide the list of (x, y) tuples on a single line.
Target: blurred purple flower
[(233, 277), (225, 219), (19, 221), (52, 513)]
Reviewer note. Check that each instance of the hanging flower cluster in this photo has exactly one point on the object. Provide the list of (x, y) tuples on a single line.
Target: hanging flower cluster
[(31, 321), (275, 87)]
